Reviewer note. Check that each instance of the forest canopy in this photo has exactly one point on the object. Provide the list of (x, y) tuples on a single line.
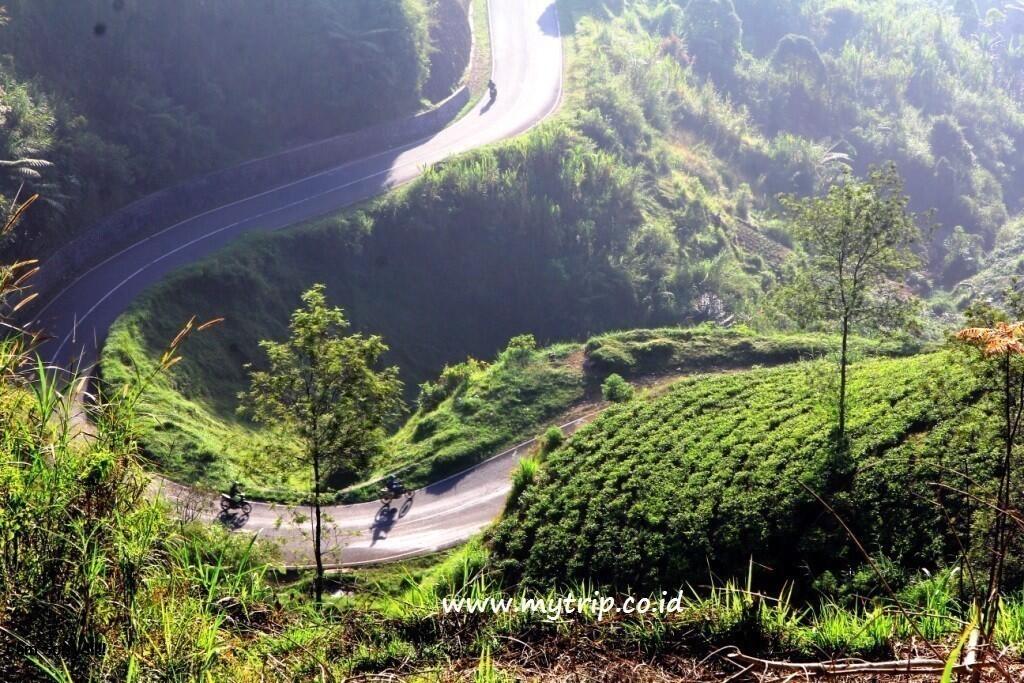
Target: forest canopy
[(127, 97), (934, 86)]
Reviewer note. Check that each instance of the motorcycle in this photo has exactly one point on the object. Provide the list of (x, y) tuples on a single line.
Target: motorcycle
[(229, 504), (388, 494)]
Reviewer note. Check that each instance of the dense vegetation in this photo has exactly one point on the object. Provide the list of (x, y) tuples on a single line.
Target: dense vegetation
[(724, 470), (651, 200), (783, 95), (932, 86), (560, 232), (100, 584), (474, 409), (471, 411), (127, 97), (97, 581)]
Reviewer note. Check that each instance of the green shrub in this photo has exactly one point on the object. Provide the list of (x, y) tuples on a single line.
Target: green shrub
[(519, 349), (431, 396), (522, 478), (551, 440), (94, 574), (616, 389)]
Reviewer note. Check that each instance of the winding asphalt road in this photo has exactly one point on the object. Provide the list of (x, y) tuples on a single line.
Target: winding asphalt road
[(527, 54)]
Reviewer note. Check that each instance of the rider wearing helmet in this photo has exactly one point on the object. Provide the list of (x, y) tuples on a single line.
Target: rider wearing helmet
[(236, 493), (493, 89), (394, 485)]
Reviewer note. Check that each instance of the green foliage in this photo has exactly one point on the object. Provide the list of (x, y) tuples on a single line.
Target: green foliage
[(323, 388), (572, 217), (498, 405), (129, 98), (640, 352), (860, 244), (714, 32), (887, 80), (714, 472), (523, 477), (616, 389), (98, 584), (516, 399), (551, 440), (622, 213), (801, 54), (95, 579)]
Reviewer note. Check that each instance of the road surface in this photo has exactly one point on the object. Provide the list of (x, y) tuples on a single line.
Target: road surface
[(527, 54), (439, 516)]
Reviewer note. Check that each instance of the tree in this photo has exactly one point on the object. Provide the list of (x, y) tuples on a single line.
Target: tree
[(859, 241), (321, 387), (799, 55)]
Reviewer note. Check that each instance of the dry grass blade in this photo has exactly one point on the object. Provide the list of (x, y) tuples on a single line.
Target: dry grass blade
[(17, 213), (209, 323), (24, 302)]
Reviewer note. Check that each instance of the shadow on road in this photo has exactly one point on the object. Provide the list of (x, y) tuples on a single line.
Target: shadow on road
[(383, 522), (233, 520), (548, 21), (440, 487)]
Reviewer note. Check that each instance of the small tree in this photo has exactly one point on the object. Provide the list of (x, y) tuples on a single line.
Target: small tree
[(321, 387), (1003, 346), (616, 389), (859, 243)]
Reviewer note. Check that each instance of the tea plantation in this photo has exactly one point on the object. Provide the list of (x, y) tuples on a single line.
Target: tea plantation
[(711, 477), (476, 409)]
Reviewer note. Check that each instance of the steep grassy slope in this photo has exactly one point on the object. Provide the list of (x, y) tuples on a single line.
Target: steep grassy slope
[(550, 235), (788, 92), (719, 473)]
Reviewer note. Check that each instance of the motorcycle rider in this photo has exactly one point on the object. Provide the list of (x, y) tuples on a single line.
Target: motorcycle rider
[(236, 495), (493, 89), (394, 485)]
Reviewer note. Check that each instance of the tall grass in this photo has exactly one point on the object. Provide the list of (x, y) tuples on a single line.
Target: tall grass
[(96, 582)]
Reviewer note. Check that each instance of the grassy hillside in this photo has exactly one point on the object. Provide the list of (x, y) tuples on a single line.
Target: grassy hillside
[(712, 476), (472, 411), (138, 94), (563, 234), (785, 93), (100, 583)]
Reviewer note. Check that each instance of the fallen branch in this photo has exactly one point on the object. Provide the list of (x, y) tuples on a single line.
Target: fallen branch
[(846, 667)]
